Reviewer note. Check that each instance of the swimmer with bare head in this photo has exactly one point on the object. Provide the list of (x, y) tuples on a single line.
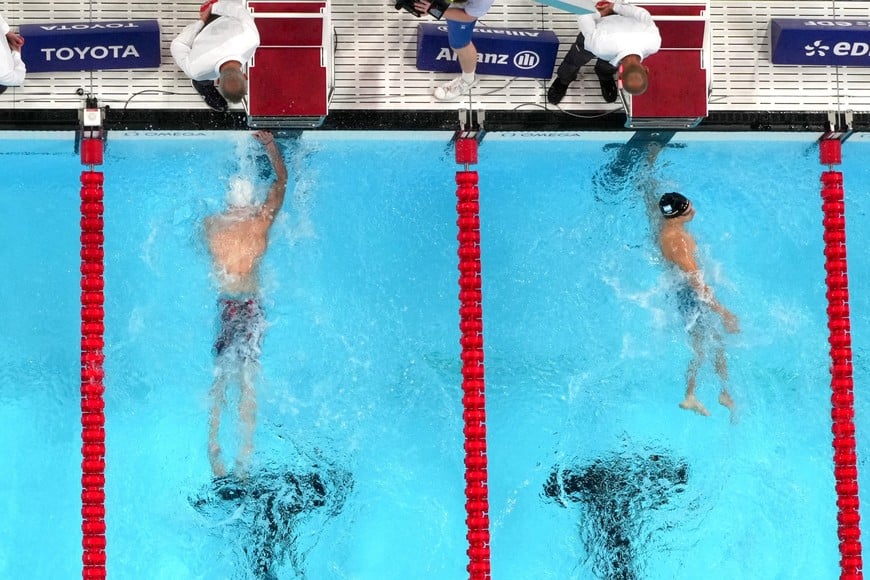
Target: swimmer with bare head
[(237, 239)]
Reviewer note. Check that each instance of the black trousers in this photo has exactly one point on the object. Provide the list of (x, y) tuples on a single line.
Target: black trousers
[(207, 89), (577, 57)]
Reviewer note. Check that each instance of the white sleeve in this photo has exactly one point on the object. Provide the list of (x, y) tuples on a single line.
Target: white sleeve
[(588, 22), (238, 11), (19, 71), (634, 12), (233, 9), (180, 47), (4, 27), (13, 77)]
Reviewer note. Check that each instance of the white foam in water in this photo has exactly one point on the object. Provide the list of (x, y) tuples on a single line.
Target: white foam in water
[(240, 192), (302, 198)]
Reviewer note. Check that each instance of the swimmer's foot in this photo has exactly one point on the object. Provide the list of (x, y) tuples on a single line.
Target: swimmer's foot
[(726, 401), (243, 467), (690, 403), (214, 457)]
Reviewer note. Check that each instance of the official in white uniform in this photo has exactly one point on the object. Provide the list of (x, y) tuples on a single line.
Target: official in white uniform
[(12, 68), (621, 36), (213, 50)]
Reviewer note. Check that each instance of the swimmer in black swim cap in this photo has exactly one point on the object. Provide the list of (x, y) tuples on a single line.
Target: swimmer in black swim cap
[(674, 204), (696, 301)]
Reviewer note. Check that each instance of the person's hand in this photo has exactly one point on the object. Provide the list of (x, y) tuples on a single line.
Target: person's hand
[(15, 40), (730, 322), (604, 8), (422, 7), (205, 10), (264, 137)]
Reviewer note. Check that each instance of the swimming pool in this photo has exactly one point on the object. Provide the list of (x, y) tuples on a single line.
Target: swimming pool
[(359, 441)]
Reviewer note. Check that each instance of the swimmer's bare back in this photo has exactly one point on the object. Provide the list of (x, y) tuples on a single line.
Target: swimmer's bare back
[(237, 240)]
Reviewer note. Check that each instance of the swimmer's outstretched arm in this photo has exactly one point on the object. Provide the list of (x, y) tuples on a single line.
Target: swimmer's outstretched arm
[(680, 250), (705, 294), (275, 198)]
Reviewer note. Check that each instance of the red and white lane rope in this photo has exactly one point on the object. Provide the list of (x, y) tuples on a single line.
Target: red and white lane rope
[(842, 397), (92, 387), (473, 384)]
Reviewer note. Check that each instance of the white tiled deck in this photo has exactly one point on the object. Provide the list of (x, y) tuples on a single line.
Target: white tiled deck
[(375, 52)]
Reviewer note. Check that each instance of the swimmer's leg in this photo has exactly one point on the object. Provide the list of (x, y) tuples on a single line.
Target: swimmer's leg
[(722, 370), (690, 402), (218, 395), (247, 416)]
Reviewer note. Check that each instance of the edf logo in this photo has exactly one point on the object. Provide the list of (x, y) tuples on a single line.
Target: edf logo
[(797, 41), (840, 49), (817, 48)]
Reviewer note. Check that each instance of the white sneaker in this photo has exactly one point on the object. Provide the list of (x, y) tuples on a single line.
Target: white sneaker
[(450, 91)]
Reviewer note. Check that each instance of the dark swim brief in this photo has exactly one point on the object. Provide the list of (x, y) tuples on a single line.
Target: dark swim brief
[(242, 323), (694, 311)]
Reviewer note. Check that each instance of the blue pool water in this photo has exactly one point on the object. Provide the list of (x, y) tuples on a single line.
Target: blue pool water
[(358, 456)]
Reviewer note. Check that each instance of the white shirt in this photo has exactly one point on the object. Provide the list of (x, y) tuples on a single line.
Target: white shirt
[(12, 69), (200, 52), (630, 30)]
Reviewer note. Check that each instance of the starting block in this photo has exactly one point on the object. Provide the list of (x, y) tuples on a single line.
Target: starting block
[(290, 76), (680, 73)]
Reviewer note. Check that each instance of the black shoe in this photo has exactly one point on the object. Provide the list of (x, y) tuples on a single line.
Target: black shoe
[(557, 91), (212, 97), (608, 89)]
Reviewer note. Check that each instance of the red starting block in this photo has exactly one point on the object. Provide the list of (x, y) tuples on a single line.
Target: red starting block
[(289, 78), (680, 73)]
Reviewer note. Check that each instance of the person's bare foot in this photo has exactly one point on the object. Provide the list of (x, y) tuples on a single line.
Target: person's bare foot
[(214, 457), (726, 401), (241, 470), (690, 403)]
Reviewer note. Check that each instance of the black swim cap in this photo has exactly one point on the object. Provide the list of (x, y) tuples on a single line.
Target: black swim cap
[(673, 204)]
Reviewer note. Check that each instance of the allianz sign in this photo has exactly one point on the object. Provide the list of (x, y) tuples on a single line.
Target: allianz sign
[(91, 45), (515, 52), (524, 60)]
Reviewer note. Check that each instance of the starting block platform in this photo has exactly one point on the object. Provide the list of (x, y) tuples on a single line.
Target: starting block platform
[(290, 76), (680, 73)]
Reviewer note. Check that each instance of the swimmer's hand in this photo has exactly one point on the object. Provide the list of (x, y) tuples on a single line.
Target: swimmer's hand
[(264, 137), (730, 322)]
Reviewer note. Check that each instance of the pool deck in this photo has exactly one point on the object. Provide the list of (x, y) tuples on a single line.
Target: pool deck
[(377, 85)]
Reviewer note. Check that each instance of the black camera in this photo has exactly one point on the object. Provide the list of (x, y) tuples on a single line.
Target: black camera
[(436, 9)]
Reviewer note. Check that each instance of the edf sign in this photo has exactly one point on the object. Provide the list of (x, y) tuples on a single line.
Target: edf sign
[(511, 52), (820, 42), (74, 46)]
